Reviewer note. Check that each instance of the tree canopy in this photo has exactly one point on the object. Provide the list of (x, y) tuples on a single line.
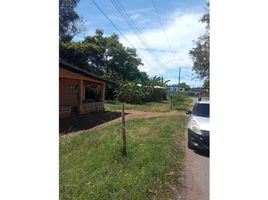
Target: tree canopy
[(206, 84), (107, 57), (184, 85), (200, 53), (104, 56), (69, 20)]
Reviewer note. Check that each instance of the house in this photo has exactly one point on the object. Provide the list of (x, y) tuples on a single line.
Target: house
[(80, 91), (173, 89), (181, 89)]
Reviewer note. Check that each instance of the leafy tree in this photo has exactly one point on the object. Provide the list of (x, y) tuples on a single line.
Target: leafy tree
[(80, 54), (143, 77), (66, 38), (155, 89), (122, 62), (104, 55), (206, 84), (98, 58), (129, 92), (69, 21), (200, 53), (185, 86)]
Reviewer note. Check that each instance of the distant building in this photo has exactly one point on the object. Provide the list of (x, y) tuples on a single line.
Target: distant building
[(181, 89), (173, 89)]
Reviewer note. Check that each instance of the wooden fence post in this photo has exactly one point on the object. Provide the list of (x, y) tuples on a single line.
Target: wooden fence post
[(124, 148)]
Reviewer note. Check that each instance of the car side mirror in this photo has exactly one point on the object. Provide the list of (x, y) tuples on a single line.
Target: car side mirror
[(189, 112)]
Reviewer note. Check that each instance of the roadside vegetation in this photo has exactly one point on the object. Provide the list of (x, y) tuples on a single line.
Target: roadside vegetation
[(179, 101), (147, 107), (91, 165)]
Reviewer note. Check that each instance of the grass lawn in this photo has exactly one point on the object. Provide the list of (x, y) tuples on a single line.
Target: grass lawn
[(152, 106), (184, 106), (91, 166), (163, 106)]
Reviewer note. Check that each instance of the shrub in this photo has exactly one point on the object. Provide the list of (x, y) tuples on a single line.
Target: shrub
[(129, 92), (155, 94), (180, 101), (132, 92)]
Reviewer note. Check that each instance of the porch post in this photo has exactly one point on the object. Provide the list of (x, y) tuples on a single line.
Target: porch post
[(81, 92), (103, 92), (103, 96)]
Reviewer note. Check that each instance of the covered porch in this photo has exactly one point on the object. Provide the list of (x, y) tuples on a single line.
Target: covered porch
[(79, 93)]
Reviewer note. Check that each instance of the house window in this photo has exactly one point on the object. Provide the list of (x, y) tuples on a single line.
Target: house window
[(73, 90), (93, 93)]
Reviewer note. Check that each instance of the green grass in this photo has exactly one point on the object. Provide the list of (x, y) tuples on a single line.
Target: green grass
[(152, 106), (183, 106), (91, 165), (181, 101)]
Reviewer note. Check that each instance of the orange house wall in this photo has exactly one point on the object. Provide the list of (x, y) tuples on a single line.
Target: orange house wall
[(68, 78), (65, 98)]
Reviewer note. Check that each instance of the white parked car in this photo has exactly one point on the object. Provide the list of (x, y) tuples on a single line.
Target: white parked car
[(198, 127)]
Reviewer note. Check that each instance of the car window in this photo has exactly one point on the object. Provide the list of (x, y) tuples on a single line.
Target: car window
[(201, 109)]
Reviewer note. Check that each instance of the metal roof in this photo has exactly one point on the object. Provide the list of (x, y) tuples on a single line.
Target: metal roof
[(79, 70)]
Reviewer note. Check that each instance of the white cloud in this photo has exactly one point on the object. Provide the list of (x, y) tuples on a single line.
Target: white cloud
[(141, 10), (136, 16), (181, 29)]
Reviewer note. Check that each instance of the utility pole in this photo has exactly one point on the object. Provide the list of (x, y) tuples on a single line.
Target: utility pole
[(179, 80)]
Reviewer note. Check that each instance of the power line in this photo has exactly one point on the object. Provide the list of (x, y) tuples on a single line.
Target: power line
[(133, 27), (164, 32), (124, 14), (117, 28), (153, 2)]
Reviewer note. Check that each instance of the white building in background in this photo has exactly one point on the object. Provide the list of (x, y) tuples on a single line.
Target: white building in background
[(175, 89), (181, 89)]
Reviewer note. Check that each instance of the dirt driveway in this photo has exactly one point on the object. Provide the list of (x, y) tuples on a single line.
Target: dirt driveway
[(99, 120)]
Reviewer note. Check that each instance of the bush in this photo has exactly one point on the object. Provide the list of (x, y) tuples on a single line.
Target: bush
[(129, 92), (180, 101), (155, 94)]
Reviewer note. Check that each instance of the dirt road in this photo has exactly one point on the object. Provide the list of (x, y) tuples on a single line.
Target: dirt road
[(196, 177)]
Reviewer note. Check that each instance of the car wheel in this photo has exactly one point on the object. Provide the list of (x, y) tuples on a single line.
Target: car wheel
[(190, 146)]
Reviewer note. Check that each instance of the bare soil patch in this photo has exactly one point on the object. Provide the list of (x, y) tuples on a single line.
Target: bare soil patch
[(77, 124)]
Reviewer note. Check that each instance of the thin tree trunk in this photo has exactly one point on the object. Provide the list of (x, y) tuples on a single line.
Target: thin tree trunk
[(170, 102), (124, 148)]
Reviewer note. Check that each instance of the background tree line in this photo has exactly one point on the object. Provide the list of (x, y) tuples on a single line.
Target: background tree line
[(200, 53), (107, 57)]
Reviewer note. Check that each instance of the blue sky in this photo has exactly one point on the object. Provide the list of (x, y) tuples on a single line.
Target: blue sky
[(170, 41)]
